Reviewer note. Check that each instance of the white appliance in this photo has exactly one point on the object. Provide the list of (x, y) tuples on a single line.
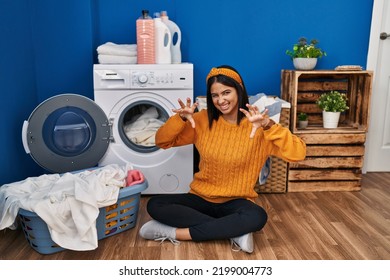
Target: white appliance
[(138, 97), (69, 132)]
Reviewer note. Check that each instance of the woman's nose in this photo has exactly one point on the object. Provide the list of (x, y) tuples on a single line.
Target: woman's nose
[(220, 100)]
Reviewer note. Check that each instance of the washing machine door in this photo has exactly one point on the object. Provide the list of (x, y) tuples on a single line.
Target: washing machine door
[(67, 132)]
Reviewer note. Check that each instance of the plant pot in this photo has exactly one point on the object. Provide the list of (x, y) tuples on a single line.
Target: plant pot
[(301, 63), (303, 124), (330, 119)]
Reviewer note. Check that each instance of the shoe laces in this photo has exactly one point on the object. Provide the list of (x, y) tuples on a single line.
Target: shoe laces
[(162, 239)]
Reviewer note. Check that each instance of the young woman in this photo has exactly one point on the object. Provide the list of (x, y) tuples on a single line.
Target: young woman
[(234, 140)]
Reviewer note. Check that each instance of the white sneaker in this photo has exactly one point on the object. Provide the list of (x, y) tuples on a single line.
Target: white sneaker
[(159, 232), (243, 242)]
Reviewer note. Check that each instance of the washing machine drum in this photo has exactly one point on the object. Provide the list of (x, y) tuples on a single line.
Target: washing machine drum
[(67, 132)]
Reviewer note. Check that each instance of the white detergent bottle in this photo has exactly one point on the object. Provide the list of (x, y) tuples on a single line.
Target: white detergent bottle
[(162, 41), (176, 37)]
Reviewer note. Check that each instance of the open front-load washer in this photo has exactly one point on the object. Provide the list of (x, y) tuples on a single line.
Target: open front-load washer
[(137, 99), (65, 133), (71, 132)]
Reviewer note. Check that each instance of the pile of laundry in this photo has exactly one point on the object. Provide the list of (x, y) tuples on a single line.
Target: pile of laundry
[(142, 128), (59, 201), (111, 53)]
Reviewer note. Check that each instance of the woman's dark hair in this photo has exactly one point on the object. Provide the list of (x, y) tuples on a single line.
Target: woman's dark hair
[(243, 99)]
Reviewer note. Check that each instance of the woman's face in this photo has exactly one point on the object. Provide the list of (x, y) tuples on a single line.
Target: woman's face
[(225, 99)]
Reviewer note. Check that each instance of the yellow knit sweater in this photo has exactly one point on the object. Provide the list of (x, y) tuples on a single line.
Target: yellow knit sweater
[(230, 161)]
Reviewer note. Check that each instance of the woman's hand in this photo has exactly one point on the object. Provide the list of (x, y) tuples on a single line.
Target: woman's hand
[(186, 111), (256, 118)]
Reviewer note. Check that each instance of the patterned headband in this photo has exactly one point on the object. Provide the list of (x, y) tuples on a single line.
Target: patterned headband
[(226, 72)]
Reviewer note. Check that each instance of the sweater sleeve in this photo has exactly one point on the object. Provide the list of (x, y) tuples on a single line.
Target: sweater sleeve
[(284, 144), (175, 132)]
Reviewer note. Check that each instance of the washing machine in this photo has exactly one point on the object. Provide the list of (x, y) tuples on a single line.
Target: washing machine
[(137, 99), (69, 132)]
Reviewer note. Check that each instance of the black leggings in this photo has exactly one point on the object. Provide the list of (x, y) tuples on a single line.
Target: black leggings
[(207, 220)]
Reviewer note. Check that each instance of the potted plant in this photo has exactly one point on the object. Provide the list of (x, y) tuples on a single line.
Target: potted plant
[(332, 104), (305, 55), (302, 120)]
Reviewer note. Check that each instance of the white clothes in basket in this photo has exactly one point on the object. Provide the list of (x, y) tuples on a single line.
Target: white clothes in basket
[(68, 203)]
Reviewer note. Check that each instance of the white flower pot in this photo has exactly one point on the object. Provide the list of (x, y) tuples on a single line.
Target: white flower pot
[(301, 63), (330, 119)]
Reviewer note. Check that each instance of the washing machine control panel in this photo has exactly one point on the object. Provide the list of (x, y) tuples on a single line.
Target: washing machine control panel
[(143, 76), (161, 79)]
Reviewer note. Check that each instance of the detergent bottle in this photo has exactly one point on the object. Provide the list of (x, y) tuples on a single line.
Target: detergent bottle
[(176, 37), (145, 39), (162, 41)]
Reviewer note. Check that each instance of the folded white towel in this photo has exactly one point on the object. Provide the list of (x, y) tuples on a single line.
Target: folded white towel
[(118, 49), (116, 59)]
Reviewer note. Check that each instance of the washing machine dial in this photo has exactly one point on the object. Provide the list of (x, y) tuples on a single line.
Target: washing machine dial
[(143, 78)]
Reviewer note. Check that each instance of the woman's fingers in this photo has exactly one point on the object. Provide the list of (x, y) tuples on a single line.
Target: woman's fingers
[(186, 110), (188, 102), (181, 103), (245, 112), (265, 113), (255, 117)]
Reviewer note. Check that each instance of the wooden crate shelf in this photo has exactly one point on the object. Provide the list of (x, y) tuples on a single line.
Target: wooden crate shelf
[(303, 88), (333, 162), (334, 157)]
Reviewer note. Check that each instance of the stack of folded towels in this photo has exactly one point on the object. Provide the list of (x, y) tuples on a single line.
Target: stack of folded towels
[(110, 53)]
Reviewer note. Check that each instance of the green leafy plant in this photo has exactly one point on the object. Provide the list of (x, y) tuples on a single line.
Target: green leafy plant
[(302, 116), (305, 50), (333, 101)]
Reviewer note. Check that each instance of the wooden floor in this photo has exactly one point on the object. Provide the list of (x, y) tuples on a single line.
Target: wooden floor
[(301, 226)]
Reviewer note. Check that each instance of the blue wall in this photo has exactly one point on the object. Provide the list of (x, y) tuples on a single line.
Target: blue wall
[(49, 47)]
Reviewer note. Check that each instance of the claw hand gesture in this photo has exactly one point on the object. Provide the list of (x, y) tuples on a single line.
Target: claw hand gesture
[(186, 111), (255, 117)]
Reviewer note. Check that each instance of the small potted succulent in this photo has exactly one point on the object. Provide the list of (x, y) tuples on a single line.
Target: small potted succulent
[(303, 120), (305, 55), (332, 103)]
